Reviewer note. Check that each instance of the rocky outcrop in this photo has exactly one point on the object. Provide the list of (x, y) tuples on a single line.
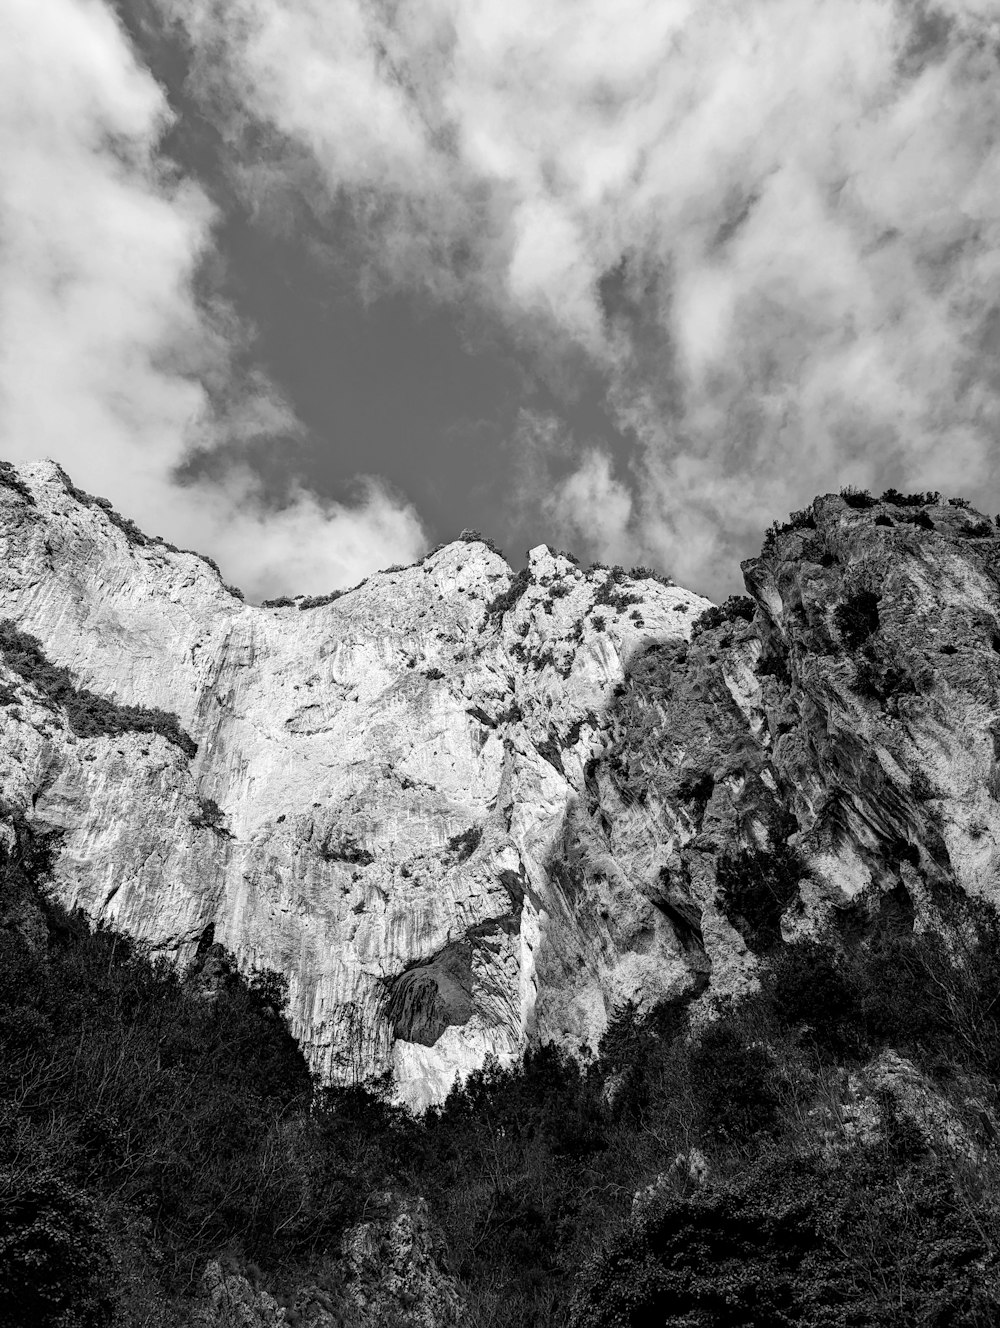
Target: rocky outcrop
[(390, 1271), (229, 1299), (459, 806), (381, 788), (827, 750), (395, 1271)]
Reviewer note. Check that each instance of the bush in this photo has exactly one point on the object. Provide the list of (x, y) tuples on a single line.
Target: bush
[(474, 537), (88, 714), (736, 1256), (181, 1103), (56, 1266), (608, 592), (460, 847), (857, 617), (883, 1235), (980, 530), (642, 1056), (10, 479), (735, 609), (171, 1099), (802, 520), (859, 498), (317, 601), (755, 887), (210, 816), (516, 1168), (930, 1000), (507, 599), (897, 499), (811, 993), (650, 574), (733, 1085), (346, 849)]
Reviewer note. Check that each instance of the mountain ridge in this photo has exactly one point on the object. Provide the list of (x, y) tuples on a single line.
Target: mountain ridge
[(460, 808), (314, 780), (687, 912)]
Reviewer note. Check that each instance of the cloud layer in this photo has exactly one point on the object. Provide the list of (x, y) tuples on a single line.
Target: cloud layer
[(107, 362), (772, 225), (769, 229)]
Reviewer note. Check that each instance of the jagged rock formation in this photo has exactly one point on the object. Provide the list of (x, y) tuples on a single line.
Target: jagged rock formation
[(391, 1270), (857, 714), (380, 787), (459, 807)]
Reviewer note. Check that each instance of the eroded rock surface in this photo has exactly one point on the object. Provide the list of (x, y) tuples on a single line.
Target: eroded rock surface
[(459, 807), (380, 787), (391, 1271)]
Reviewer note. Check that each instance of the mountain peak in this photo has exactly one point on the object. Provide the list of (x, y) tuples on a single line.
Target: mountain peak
[(460, 807)]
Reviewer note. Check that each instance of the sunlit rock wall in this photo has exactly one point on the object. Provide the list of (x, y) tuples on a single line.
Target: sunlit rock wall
[(460, 808), (396, 770)]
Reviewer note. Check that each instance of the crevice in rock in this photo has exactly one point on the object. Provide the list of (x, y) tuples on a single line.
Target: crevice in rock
[(432, 995), (683, 913)]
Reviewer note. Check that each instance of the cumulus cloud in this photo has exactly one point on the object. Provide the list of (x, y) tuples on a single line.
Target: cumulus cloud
[(583, 502), (771, 224), (107, 363)]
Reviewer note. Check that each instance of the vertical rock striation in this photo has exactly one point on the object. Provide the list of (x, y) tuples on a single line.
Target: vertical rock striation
[(380, 787), (460, 807)]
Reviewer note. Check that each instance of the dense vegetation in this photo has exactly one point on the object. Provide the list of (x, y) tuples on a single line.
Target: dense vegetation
[(153, 1119), (857, 617), (735, 609), (505, 600), (88, 714)]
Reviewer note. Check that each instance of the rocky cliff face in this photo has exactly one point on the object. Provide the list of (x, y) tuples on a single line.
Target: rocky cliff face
[(828, 749), (381, 790), (460, 807)]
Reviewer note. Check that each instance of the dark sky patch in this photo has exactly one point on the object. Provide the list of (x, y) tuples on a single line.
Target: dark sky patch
[(928, 37), (423, 395)]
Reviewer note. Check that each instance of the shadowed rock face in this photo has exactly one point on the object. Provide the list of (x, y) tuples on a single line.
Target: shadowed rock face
[(845, 735), (433, 996), (459, 807)]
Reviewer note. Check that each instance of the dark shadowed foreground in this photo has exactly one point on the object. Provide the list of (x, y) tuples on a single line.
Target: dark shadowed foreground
[(780, 1167)]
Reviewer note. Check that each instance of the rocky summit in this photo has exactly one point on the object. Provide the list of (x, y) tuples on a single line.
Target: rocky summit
[(381, 794), (463, 809)]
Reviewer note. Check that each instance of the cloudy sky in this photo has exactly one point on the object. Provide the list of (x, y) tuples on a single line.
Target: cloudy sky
[(312, 284)]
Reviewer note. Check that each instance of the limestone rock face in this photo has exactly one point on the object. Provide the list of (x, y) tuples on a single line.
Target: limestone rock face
[(391, 1271), (460, 807), (396, 1273), (844, 726), (381, 786)]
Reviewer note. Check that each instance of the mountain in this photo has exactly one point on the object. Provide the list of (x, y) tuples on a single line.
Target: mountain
[(460, 807), (376, 787), (681, 919)]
